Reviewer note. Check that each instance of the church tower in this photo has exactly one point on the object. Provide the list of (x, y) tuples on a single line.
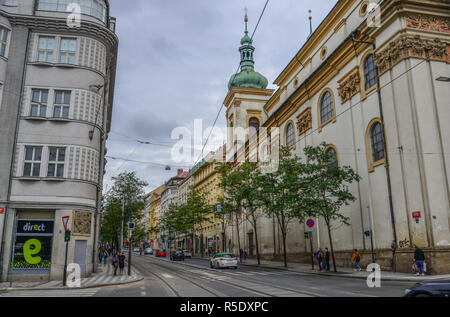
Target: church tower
[(247, 94)]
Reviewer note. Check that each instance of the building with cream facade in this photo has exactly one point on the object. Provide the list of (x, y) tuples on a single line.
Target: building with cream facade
[(392, 132), (154, 216), (209, 234), (57, 84)]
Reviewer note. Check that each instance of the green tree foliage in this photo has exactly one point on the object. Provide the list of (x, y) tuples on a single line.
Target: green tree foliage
[(127, 188), (327, 189), (279, 192)]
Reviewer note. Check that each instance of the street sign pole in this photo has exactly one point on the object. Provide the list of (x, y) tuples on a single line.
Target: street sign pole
[(311, 246), (130, 245), (67, 239)]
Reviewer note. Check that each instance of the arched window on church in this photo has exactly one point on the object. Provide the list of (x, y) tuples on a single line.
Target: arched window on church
[(253, 124)]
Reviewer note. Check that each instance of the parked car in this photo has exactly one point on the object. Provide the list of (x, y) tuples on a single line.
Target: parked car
[(148, 251), (429, 289), (187, 254), (136, 249), (161, 253), (223, 260), (177, 255)]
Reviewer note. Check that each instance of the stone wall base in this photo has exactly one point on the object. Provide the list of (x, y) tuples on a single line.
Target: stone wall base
[(437, 259)]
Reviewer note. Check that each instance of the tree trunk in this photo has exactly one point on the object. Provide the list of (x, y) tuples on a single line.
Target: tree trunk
[(256, 240), (331, 245), (238, 238), (283, 233)]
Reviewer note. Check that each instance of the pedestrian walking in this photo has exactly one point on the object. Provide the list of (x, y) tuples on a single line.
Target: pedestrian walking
[(357, 258), (115, 262), (241, 254), (245, 255), (121, 262), (105, 258), (327, 259), (100, 255), (419, 258), (319, 258)]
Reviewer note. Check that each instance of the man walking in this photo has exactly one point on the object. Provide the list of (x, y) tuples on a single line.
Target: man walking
[(357, 259), (327, 259), (419, 258), (319, 258)]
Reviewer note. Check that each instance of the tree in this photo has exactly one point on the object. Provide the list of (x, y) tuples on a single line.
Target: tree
[(127, 188), (279, 192), (327, 189)]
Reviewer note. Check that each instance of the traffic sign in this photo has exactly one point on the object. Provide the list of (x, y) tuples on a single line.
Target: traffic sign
[(65, 221), (310, 223), (219, 207), (2, 210)]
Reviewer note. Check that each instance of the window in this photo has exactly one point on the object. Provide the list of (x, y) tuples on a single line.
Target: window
[(290, 135), (377, 141), (254, 123), (3, 41), (56, 159), (32, 163), (39, 99), (67, 51), (326, 108), (95, 8), (333, 158), (375, 144), (370, 75), (46, 48), (62, 104)]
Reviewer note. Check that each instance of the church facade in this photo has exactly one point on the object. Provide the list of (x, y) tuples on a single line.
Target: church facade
[(372, 82)]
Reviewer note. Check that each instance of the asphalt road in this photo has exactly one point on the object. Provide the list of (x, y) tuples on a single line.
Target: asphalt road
[(194, 278)]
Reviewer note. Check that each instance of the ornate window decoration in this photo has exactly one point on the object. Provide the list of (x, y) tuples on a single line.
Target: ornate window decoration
[(289, 134), (326, 108), (363, 8), (254, 123), (375, 144), (349, 85), (304, 121)]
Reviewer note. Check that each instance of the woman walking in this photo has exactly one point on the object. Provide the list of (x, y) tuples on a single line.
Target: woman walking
[(115, 262), (121, 262)]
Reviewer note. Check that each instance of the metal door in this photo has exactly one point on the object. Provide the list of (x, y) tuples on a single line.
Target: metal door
[(80, 255)]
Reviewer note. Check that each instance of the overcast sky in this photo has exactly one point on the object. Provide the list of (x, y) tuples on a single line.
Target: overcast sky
[(175, 60)]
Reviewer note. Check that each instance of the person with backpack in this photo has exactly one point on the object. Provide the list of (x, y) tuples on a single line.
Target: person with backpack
[(357, 259), (419, 258), (115, 262)]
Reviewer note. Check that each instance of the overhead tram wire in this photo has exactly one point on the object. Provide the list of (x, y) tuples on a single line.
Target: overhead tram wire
[(236, 73)]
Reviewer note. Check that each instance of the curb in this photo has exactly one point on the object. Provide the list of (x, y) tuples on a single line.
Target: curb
[(347, 275), (138, 279)]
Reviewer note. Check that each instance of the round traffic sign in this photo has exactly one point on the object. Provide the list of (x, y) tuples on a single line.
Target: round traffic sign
[(310, 223)]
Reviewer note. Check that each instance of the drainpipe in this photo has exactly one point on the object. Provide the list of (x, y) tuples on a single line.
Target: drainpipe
[(11, 168), (388, 176)]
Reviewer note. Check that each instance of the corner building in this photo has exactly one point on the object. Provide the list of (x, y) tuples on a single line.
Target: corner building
[(57, 87), (383, 110)]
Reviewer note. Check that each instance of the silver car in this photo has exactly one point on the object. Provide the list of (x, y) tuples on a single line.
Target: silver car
[(187, 254)]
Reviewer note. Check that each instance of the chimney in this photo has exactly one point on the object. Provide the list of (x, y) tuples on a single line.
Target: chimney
[(180, 171)]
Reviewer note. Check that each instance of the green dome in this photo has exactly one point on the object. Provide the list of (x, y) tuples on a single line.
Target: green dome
[(249, 79)]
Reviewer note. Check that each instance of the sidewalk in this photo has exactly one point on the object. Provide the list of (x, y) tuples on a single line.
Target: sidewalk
[(341, 271), (103, 277)]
